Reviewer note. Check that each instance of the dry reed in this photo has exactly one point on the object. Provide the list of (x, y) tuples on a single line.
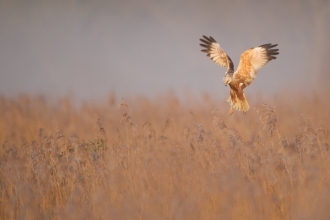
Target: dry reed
[(59, 161)]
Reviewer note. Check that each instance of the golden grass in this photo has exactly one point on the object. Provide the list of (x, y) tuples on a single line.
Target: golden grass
[(164, 159)]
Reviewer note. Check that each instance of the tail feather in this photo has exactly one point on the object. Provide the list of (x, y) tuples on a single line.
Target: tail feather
[(238, 103)]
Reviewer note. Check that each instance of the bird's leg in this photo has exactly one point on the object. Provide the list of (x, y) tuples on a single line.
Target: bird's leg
[(241, 87), (231, 111)]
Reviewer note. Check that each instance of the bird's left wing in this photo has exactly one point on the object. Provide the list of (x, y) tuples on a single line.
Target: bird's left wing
[(253, 59), (216, 53)]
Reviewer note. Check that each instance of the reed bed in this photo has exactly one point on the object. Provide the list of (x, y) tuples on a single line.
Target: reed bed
[(164, 158)]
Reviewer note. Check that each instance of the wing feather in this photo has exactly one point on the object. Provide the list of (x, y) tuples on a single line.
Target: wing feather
[(254, 59), (216, 53)]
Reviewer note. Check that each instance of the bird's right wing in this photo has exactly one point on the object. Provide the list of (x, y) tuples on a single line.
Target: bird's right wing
[(216, 53)]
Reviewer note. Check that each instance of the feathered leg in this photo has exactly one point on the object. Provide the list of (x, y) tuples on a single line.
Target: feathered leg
[(237, 101), (231, 99), (231, 111)]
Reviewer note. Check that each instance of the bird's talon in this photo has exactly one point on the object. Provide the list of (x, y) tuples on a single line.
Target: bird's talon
[(231, 111)]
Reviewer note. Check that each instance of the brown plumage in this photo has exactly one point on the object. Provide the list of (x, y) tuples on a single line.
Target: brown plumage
[(250, 63)]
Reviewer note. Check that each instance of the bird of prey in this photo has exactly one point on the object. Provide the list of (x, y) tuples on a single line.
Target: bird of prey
[(250, 63)]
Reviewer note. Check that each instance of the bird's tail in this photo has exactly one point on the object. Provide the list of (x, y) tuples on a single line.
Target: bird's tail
[(238, 102)]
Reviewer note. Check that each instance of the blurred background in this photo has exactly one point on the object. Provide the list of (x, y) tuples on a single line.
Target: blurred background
[(89, 49)]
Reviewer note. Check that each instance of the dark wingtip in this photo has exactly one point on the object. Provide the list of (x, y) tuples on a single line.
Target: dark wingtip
[(212, 39), (271, 51), (209, 39)]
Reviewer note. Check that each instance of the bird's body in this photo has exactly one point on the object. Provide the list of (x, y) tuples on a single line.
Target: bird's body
[(250, 63)]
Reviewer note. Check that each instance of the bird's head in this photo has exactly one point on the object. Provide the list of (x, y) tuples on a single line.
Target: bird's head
[(228, 77)]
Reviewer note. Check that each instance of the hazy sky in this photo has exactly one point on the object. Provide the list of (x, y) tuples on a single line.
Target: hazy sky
[(90, 48)]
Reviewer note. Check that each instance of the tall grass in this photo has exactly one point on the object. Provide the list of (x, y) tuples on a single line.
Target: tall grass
[(162, 159)]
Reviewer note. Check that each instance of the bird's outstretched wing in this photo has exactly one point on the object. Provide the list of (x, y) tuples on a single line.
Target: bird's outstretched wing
[(216, 53), (253, 59)]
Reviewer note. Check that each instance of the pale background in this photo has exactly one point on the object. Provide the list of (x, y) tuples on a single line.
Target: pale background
[(92, 48)]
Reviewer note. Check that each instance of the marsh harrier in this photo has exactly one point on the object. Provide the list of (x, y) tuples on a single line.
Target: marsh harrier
[(250, 63)]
